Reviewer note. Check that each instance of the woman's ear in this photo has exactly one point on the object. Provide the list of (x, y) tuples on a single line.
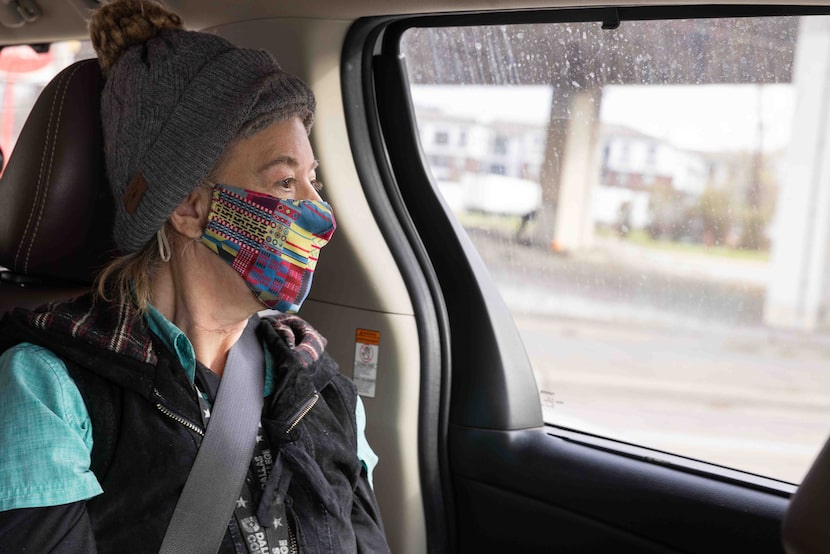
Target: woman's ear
[(190, 218)]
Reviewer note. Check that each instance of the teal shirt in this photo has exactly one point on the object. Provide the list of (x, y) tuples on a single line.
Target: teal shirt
[(46, 433)]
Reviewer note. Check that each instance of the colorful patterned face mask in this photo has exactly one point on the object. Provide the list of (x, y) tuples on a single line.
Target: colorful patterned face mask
[(272, 243)]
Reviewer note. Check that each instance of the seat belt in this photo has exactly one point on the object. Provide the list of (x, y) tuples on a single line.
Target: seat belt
[(207, 502)]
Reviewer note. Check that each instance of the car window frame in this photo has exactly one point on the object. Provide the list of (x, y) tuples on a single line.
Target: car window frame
[(381, 80)]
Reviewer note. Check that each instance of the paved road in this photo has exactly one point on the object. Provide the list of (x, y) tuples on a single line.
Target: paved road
[(661, 355)]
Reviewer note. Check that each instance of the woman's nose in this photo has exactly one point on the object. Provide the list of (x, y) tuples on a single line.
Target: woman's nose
[(307, 191)]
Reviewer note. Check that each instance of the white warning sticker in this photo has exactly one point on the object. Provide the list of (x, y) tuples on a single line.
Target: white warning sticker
[(367, 345)]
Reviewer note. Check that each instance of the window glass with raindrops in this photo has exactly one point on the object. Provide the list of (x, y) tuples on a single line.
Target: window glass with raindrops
[(653, 203)]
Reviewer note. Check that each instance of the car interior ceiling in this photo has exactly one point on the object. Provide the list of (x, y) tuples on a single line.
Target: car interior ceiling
[(56, 212)]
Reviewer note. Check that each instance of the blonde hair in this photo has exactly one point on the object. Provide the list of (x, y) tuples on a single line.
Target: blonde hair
[(128, 279)]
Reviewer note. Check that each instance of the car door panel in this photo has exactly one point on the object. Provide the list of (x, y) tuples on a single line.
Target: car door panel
[(543, 491)]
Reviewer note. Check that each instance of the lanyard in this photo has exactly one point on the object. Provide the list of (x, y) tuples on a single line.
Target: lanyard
[(261, 537), (272, 537)]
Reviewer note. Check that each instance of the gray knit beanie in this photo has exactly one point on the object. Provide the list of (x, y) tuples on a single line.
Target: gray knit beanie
[(172, 103)]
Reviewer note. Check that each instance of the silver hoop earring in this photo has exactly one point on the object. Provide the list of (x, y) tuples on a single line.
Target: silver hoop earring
[(164, 246)]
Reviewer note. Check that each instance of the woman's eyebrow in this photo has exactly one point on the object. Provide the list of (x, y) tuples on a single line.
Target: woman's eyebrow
[(290, 161), (282, 160)]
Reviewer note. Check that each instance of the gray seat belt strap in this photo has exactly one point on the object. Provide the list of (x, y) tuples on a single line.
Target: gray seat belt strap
[(207, 502)]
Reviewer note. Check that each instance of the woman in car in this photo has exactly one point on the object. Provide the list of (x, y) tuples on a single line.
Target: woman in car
[(218, 216)]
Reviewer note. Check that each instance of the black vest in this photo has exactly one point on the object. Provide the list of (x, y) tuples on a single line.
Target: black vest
[(144, 448)]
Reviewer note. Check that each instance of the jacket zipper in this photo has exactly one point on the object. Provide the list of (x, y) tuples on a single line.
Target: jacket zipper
[(176, 417), (292, 538), (293, 548), (303, 412), (196, 429), (292, 541)]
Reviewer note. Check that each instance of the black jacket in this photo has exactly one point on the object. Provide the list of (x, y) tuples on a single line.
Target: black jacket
[(131, 385)]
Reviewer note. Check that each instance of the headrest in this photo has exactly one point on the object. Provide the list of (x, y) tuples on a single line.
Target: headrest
[(56, 210)]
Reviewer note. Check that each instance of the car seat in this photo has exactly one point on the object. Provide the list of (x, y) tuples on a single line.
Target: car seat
[(56, 210)]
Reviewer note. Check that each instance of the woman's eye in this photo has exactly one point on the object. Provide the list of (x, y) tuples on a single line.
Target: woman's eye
[(288, 184), (317, 184)]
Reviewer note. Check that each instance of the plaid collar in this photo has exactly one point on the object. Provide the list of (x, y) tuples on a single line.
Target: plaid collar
[(120, 329), (113, 327)]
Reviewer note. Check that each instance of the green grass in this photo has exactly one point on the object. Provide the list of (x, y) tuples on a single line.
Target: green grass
[(502, 223), (642, 238)]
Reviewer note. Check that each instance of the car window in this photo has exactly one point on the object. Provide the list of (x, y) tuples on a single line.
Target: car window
[(651, 200), (24, 72)]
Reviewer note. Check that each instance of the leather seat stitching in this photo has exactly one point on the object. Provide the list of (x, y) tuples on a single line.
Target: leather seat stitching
[(39, 182), (63, 88)]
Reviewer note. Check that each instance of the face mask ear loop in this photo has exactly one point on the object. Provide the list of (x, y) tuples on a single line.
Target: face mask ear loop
[(164, 245)]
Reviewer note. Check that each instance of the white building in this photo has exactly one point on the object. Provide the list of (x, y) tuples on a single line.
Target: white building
[(632, 164), (631, 159), (455, 146)]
